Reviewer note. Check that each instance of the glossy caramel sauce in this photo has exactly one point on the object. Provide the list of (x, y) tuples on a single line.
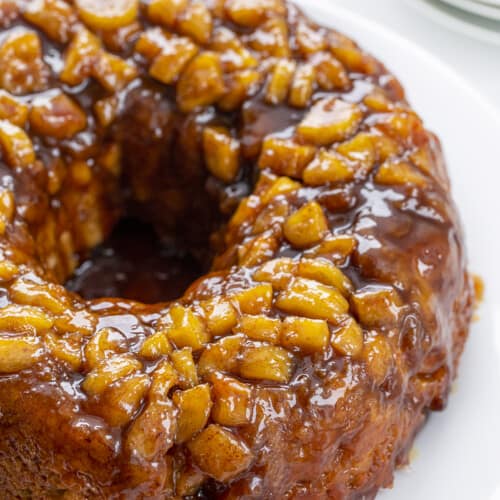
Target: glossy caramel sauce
[(336, 307), (134, 264)]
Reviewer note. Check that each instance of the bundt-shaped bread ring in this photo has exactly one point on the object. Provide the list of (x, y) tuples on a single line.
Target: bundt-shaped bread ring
[(338, 302)]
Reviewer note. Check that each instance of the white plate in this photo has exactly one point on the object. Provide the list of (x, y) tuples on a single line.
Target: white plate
[(486, 30), (479, 8), (495, 3), (458, 451)]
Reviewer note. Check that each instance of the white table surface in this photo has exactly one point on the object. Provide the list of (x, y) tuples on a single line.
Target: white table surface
[(477, 62)]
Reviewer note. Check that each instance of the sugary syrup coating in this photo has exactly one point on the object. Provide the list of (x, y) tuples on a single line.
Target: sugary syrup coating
[(338, 302)]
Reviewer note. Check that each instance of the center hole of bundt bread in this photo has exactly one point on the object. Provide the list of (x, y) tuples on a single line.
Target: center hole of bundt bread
[(134, 263), (168, 210), (161, 215)]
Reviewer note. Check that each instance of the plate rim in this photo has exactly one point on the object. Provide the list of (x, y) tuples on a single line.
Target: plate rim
[(494, 3), (441, 15), (487, 11)]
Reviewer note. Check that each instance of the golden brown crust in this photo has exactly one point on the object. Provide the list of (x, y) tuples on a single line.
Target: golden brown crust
[(339, 301)]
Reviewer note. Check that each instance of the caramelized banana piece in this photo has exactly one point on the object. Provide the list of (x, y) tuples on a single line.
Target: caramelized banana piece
[(196, 22), (15, 145), (201, 83), (330, 120), (23, 67), (12, 109), (271, 152), (18, 353), (107, 14), (59, 117), (222, 153), (174, 54), (219, 453), (307, 226), (233, 400), (54, 17), (165, 12), (266, 362), (194, 409), (252, 13)]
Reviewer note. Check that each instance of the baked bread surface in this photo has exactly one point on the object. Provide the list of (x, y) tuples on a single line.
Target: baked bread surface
[(338, 301)]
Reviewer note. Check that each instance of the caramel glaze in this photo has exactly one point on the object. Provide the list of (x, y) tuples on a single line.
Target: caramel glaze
[(333, 430), (133, 263)]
